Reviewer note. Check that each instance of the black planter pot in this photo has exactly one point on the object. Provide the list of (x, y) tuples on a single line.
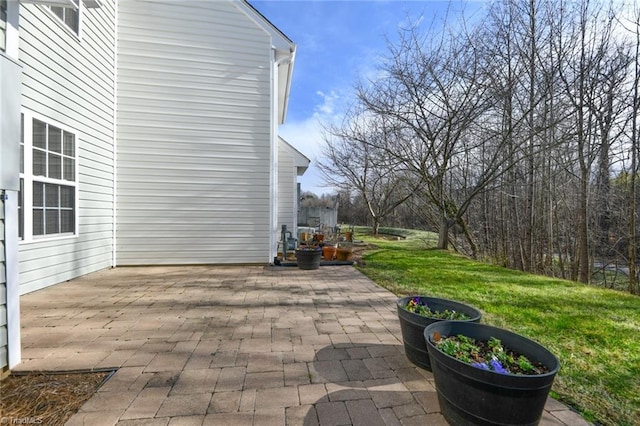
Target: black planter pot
[(413, 325), (308, 259), (472, 396)]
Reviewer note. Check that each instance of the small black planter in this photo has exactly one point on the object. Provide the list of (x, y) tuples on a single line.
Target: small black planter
[(308, 259), (472, 396), (413, 325)]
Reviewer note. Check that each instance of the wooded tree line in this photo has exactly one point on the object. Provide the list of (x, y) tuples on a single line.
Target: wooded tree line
[(515, 136)]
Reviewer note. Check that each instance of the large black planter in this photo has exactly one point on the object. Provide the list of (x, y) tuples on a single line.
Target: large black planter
[(472, 396), (413, 325), (308, 259)]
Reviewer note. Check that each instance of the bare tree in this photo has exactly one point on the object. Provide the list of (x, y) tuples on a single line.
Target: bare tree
[(632, 25), (513, 129), (583, 42), (432, 90), (353, 160)]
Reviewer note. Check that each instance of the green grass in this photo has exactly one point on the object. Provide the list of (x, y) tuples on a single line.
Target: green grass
[(594, 332)]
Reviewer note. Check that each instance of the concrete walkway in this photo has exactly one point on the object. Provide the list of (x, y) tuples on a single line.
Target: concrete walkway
[(235, 346)]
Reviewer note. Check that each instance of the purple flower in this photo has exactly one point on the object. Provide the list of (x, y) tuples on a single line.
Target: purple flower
[(497, 367), (480, 365)]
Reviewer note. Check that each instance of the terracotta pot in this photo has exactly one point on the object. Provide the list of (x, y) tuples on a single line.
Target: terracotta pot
[(344, 253), (328, 252)]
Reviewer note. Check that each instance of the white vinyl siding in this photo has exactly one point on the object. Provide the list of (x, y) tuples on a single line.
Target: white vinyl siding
[(193, 130), (69, 80), (287, 187)]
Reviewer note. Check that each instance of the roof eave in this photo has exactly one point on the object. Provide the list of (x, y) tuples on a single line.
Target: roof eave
[(284, 85), (285, 50), (300, 160)]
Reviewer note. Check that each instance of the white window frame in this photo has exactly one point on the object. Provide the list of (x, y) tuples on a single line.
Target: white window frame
[(28, 178), (3, 26), (63, 23)]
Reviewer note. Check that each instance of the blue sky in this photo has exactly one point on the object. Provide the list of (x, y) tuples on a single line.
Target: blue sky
[(338, 41)]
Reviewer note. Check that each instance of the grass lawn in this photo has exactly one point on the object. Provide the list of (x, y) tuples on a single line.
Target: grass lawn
[(594, 332)]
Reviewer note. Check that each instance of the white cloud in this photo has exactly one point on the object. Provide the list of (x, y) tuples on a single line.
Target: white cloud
[(327, 107), (307, 136)]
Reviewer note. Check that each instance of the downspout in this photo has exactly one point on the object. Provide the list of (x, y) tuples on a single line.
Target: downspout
[(10, 199), (273, 178), (114, 216), (11, 103)]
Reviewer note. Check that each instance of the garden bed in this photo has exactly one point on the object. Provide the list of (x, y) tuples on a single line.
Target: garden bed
[(48, 398)]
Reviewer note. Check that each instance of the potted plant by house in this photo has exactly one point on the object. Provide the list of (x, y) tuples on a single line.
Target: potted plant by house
[(344, 252), (486, 375), (308, 256), (329, 250), (417, 312)]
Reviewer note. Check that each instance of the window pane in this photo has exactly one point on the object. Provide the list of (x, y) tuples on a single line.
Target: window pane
[(67, 196), (39, 134), (71, 19), (38, 222), (59, 11), (69, 144), (54, 156), (38, 194), (53, 222), (67, 221), (70, 16), (69, 169), (39, 163), (55, 139), (55, 166), (51, 195), (21, 210)]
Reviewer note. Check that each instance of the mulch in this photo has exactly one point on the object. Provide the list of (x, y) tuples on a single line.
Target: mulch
[(47, 398)]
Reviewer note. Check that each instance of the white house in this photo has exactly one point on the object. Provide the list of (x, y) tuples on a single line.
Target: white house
[(146, 133), (289, 159)]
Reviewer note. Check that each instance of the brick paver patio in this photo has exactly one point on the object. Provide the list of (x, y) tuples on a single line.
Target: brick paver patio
[(229, 346)]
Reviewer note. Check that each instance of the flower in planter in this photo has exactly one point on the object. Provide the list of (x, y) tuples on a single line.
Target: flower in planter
[(309, 247), (488, 355), (419, 306)]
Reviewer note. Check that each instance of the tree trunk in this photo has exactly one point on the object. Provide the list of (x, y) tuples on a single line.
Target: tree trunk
[(583, 235), (467, 234), (376, 225), (443, 236), (635, 141), (529, 231)]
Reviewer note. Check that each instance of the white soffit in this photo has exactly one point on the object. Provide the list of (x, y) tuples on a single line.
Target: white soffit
[(60, 3), (74, 4)]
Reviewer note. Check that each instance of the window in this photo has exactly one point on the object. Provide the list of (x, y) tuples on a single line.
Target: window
[(48, 184), (68, 15), (3, 24)]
